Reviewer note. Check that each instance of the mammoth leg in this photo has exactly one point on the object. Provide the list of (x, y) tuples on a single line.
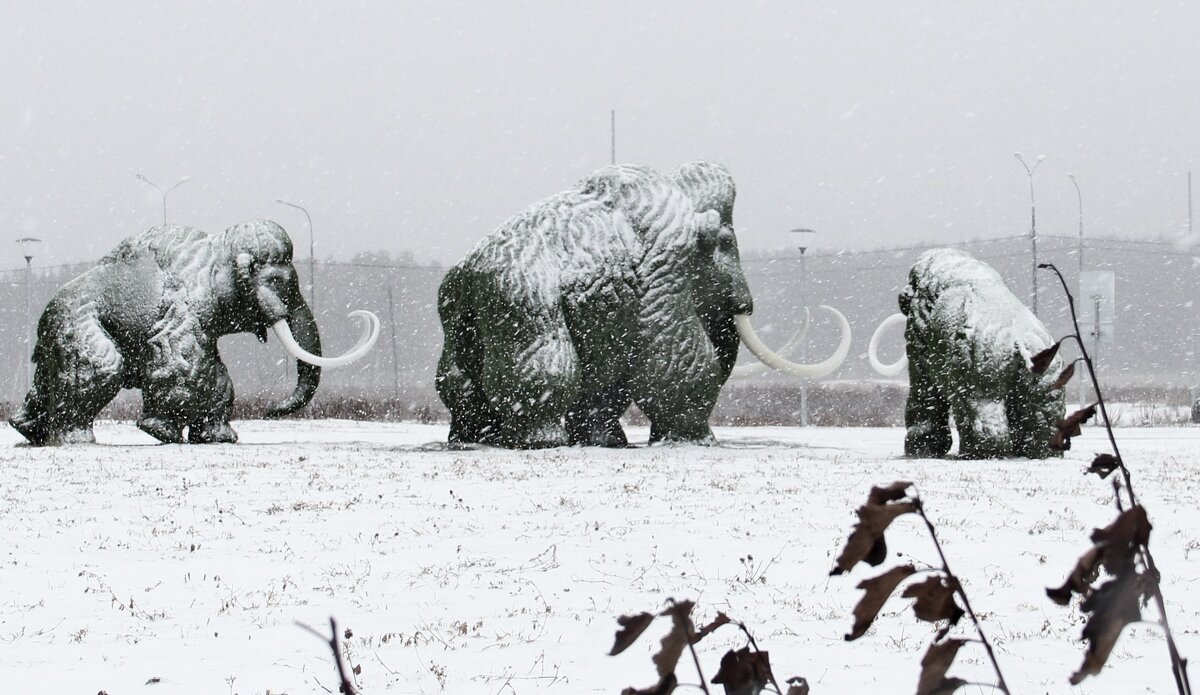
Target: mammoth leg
[(531, 379), (679, 410), (926, 416), (1033, 414), (181, 377), (982, 428), (677, 387), (78, 371), (472, 418), (595, 420), (214, 427), (684, 428)]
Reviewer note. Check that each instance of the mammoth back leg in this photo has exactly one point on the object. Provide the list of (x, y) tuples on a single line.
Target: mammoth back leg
[(530, 373), (982, 428), (472, 419), (1033, 414), (978, 405), (926, 415), (78, 372)]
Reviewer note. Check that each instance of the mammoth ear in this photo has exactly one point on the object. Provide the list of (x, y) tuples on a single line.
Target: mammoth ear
[(244, 265), (708, 225)]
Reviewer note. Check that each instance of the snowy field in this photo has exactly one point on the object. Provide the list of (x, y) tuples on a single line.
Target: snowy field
[(130, 567)]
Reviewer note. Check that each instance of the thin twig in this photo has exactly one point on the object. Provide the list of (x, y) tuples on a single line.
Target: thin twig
[(958, 589), (1091, 367), (345, 688), (695, 659)]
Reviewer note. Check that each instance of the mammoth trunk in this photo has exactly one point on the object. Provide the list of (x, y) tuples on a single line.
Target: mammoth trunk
[(303, 329)]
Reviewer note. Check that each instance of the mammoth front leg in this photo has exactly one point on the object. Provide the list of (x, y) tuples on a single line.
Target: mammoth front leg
[(185, 381), (926, 415), (679, 403), (594, 420), (685, 423), (214, 427)]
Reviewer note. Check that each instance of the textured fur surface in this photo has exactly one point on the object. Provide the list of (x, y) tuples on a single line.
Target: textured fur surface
[(969, 344), (587, 300), (148, 316)]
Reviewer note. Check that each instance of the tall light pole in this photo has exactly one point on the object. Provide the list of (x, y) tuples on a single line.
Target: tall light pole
[(805, 235), (164, 193), (1032, 222), (1082, 382), (613, 135), (26, 244), (312, 263)]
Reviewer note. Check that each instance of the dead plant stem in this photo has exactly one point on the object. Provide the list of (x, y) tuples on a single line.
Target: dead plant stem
[(958, 588)]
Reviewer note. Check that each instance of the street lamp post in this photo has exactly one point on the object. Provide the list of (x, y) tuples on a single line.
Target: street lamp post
[(1079, 195), (26, 244), (804, 235), (1032, 223), (164, 193), (312, 263)]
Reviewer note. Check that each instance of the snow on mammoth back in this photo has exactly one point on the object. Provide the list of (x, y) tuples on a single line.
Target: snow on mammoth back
[(952, 288), (949, 290)]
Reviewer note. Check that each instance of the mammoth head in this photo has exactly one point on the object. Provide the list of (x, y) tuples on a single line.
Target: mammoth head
[(721, 285), (266, 293), (723, 294), (261, 252)]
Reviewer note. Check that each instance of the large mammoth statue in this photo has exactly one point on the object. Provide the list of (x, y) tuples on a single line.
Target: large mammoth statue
[(626, 288), (148, 316), (969, 341)]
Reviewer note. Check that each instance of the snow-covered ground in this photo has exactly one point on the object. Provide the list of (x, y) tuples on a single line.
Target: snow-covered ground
[(490, 571)]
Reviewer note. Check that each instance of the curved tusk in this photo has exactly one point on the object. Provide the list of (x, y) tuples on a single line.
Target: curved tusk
[(370, 329), (365, 342), (899, 365), (746, 371), (804, 371)]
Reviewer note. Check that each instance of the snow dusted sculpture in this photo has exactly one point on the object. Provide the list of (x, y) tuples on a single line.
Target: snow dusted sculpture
[(148, 316), (624, 288), (969, 341)]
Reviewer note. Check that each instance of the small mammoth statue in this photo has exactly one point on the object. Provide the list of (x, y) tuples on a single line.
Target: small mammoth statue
[(148, 316), (969, 342)]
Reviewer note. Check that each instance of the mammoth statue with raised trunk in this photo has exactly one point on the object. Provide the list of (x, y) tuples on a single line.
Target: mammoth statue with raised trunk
[(969, 342), (148, 316), (624, 289)]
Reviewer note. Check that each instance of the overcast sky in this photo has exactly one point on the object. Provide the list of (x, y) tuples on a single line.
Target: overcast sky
[(422, 126)]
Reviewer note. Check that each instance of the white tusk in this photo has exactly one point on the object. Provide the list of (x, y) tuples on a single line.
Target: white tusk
[(746, 371), (899, 365), (804, 371), (365, 342)]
